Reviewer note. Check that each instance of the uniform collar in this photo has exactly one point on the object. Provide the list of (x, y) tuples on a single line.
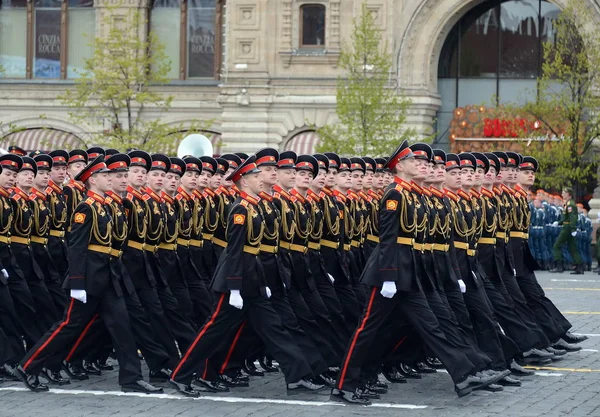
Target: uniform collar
[(95, 196), (184, 194), (281, 191), (209, 192), (222, 190), (77, 185), (451, 195), (298, 196), (327, 191), (55, 187), (265, 196), (35, 193), (165, 197), (405, 185), (134, 192), (504, 188), (475, 193), (487, 193), (312, 196), (148, 191), (463, 194), (339, 195), (416, 188), (252, 200), (4, 192), (20, 192), (436, 192), (115, 196)]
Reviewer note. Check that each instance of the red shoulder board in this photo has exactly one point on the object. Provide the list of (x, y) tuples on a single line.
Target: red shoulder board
[(244, 203), (48, 190), (276, 195), (90, 201), (293, 199), (16, 197), (33, 196), (108, 200), (399, 188), (146, 197), (178, 197), (129, 196)]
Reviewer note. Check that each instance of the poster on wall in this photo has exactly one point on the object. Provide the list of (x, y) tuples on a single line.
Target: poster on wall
[(47, 43)]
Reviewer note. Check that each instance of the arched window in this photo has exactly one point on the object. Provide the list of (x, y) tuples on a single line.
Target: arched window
[(191, 31), (49, 39), (312, 26)]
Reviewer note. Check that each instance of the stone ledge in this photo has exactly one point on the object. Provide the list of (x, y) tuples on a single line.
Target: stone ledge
[(308, 58)]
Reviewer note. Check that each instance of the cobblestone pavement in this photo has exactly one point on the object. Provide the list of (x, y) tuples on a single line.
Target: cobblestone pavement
[(571, 387)]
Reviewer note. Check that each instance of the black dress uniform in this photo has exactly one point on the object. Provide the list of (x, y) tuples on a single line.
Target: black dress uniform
[(74, 191), (210, 218), (90, 270), (240, 270), (393, 262), (57, 246), (223, 201), (22, 228), (40, 235)]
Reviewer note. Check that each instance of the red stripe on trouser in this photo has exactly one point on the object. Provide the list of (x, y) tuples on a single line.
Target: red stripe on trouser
[(205, 373), (356, 334), (52, 336), (202, 332), (232, 348), (399, 343), (80, 339)]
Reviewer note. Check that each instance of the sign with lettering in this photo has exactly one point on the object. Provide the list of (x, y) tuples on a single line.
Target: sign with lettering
[(47, 43), (201, 42)]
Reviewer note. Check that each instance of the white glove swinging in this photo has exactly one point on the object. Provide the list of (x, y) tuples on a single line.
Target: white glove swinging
[(79, 295), (388, 289), (235, 299)]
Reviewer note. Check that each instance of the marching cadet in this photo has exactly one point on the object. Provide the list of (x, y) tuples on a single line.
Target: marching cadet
[(20, 242), (17, 312), (57, 246), (335, 242), (40, 232), (223, 201), (73, 190), (210, 216), (372, 182), (93, 289), (136, 258), (392, 263), (357, 219), (567, 235), (242, 294)]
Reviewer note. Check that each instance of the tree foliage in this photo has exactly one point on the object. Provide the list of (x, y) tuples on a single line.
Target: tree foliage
[(567, 101), (117, 88), (370, 109)]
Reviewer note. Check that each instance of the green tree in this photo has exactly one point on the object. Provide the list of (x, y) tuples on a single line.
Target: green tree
[(117, 88), (567, 101), (370, 109)]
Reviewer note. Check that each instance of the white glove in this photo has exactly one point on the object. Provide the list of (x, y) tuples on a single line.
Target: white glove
[(268, 292), (463, 287), (4, 273), (79, 295), (331, 278), (235, 299), (514, 272), (388, 290), (574, 233), (555, 224)]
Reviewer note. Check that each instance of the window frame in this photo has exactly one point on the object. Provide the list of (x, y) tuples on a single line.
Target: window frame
[(183, 36), (301, 44), (30, 48)]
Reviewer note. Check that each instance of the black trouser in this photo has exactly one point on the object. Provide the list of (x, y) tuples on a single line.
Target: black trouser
[(349, 303), (414, 308), (32, 328), (13, 349), (548, 317), (54, 344), (225, 320)]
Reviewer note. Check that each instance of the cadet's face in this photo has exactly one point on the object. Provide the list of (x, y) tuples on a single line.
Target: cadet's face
[(499, 177), (330, 181), (8, 178), (343, 180), (490, 177), (368, 180), (41, 179), (189, 181), (119, 181), (422, 169), (75, 168), (226, 183), (430, 177), (303, 179), (453, 179), (102, 181), (526, 177), (204, 179), (320, 179), (286, 177), (478, 177), (25, 179), (565, 196), (409, 167), (269, 175), (171, 182), (58, 174), (467, 176), (439, 173), (137, 177), (510, 175), (357, 180), (215, 181), (253, 182), (156, 180)]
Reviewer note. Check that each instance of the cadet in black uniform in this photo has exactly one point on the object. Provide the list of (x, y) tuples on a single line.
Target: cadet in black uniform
[(242, 294), (57, 246), (93, 288), (74, 191)]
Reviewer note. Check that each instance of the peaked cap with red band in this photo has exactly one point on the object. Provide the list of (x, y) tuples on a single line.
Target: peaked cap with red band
[(502, 157), (529, 163), (192, 164), (29, 165), (267, 157), (402, 152), (223, 165), (140, 159), (358, 164), (452, 161), (467, 160), (307, 163), (16, 150), (59, 157), (334, 160), (514, 160), (439, 157), (287, 160), (110, 152), (11, 161), (370, 163), (160, 162), (234, 160), (209, 164), (177, 166), (322, 160), (43, 162), (93, 152), (247, 167), (78, 155), (422, 151), (494, 161), (482, 161), (380, 163), (344, 164), (118, 162), (243, 156), (95, 167)]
